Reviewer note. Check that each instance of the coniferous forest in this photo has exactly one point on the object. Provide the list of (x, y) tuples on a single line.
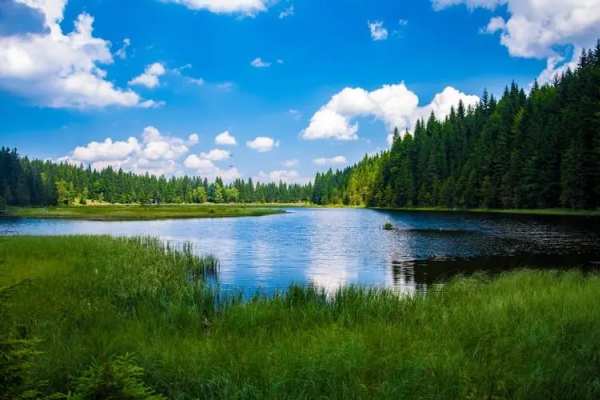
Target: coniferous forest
[(522, 151), (540, 150), (24, 182)]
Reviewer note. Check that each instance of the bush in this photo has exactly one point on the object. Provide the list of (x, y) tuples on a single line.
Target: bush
[(117, 378)]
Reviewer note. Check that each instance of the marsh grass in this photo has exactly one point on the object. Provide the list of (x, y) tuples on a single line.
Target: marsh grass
[(137, 212), (388, 226), (523, 335)]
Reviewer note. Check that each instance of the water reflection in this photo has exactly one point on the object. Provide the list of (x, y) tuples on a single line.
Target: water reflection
[(333, 247)]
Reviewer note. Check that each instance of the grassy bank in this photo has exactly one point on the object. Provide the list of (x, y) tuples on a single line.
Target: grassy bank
[(136, 212), (551, 211), (93, 299)]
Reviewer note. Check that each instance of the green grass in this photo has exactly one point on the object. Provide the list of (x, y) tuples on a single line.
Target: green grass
[(524, 335), (136, 212), (552, 211), (388, 226)]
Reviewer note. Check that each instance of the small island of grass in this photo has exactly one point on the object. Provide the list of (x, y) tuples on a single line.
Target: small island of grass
[(139, 213)]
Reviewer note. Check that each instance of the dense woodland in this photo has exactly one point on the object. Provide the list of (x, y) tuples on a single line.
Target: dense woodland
[(540, 150), (24, 182)]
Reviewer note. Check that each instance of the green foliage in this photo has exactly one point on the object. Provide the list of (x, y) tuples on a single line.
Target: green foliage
[(388, 226), (117, 378)]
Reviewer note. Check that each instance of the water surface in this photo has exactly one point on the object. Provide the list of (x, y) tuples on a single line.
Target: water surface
[(334, 247)]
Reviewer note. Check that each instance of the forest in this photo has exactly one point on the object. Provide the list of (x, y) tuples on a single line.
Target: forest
[(523, 151), (36, 183), (540, 150)]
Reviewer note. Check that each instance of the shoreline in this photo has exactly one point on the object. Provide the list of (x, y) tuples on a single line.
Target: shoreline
[(137, 212)]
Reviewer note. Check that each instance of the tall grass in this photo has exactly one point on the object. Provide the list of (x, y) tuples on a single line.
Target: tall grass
[(137, 212), (523, 335)]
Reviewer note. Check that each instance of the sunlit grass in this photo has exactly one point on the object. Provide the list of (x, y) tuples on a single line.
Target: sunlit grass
[(137, 212), (524, 335)]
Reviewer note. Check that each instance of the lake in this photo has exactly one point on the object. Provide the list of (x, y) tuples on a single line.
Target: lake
[(332, 247)]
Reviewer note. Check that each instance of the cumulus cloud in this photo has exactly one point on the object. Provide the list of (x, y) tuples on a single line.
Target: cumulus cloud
[(540, 28), (206, 168), (290, 163), (337, 160), (395, 105), (262, 144), (288, 12), (244, 7), (215, 155), (378, 32), (225, 139), (150, 77), (286, 176), (59, 70), (259, 63), (193, 139), (107, 150), (153, 153)]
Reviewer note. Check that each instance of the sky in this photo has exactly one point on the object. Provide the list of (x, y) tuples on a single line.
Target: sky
[(263, 89)]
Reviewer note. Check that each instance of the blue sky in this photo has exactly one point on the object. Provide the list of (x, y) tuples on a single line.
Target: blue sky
[(320, 83)]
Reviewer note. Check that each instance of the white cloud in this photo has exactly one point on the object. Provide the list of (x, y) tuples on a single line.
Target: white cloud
[(154, 153), (395, 105), (59, 70), (206, 168), (557, 65), (288, 12), (122, 52), (442, 104), (337, 160), (107, 150), (279, 61), (290, 163), (150, 76), (198, 81), (215, 155), (158, 147), (177, 71), (225, 139), (402, 22), (541, 28), (193, 139), (244, 7), (262, 144), (259, 63), (295, 114), (378, 32), (225, 86), (286, 176)]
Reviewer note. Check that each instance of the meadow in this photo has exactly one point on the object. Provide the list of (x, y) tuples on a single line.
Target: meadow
[(138, 212), (95, 317)]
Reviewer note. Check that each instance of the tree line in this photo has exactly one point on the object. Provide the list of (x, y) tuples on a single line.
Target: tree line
[(40, 183), (536, 150)]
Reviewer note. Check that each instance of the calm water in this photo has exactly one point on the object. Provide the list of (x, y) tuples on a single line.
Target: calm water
[(340, 246)]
